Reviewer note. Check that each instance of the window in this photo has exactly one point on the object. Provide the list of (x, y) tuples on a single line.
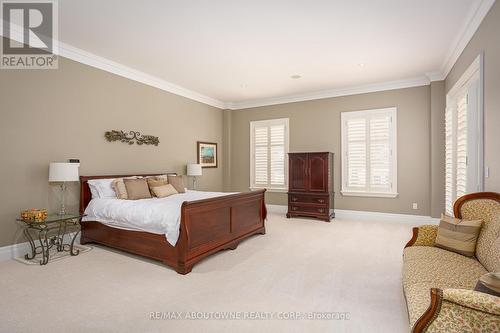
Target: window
[(268, 154), (463, 131), (369, 153)]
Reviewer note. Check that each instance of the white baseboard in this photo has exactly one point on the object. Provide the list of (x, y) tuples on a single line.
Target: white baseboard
[(365, 215), (277, 209), (17, 250), (403, 218)]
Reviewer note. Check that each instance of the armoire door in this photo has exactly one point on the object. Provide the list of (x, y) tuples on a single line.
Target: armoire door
[(298, 172), (317, 165)]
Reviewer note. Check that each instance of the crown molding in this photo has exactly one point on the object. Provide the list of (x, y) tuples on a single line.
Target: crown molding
[(355, 90), (87, 58), (435, 76), (473, 21)]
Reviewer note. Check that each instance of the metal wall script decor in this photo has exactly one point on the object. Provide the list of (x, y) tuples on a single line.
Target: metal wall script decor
[(131, 138)]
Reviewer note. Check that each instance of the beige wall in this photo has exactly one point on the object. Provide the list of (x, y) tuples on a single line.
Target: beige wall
[(227, 150), (315, 126), (53, 115), (487, 40), (437, 133)]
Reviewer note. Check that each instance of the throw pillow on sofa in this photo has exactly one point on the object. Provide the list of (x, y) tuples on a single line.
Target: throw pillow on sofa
[(489, 283), (458, 235)]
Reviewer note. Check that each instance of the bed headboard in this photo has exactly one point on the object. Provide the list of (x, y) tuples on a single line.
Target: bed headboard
[(86, 196)]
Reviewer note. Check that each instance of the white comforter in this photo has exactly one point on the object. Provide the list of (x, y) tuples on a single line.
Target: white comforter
[(158, 216)]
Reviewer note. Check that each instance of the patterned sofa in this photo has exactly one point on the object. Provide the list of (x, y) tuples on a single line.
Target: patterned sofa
[(438, 284)]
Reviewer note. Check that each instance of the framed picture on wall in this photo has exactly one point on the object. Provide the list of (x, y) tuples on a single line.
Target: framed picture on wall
[(207, 154)]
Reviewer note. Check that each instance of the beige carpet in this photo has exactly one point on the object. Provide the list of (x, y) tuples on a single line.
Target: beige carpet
[(300, 265)]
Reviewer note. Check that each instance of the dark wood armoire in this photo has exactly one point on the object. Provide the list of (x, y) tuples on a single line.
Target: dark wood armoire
[(310, 185)]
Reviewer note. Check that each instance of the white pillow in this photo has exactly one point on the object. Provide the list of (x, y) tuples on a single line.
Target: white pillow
[(102, 188), (93, 190)]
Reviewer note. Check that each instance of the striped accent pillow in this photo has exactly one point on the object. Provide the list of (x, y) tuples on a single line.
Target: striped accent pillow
[(457, 235), (489, 283)]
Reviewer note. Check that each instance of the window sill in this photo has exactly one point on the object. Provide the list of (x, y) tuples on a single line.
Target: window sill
[(270, 189), (369, 194)]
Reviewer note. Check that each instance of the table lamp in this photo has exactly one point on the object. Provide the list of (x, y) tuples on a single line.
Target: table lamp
[(194, 170), (62, 173)]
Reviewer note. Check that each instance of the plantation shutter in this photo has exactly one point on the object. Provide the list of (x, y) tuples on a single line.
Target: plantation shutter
[(278, 151), (368, 141), (380, 152), (456, 159), (261, 155), (462, 146), (356, 153), (449, 163), (269, 148)]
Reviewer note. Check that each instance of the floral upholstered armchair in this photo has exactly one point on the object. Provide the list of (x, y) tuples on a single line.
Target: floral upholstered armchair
[(439, 284)]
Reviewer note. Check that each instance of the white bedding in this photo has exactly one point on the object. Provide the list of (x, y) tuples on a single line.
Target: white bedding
[(158, 216)]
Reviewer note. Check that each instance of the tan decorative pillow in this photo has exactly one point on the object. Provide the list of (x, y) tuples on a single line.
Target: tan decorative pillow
[(156, 181), (137, 189), (164, 190), (489, 283), (457, 235), (119, 187), (177, 183)]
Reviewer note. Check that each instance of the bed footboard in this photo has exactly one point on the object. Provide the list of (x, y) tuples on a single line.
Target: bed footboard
[(215, 224)]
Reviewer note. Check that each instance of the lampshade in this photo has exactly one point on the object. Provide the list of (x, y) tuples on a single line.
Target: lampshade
[(194, 170), (63, 172)]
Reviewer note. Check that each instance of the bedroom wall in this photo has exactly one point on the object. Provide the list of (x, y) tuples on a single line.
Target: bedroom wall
[(486, 40), (437, 133), (315, 126), (53, 115)]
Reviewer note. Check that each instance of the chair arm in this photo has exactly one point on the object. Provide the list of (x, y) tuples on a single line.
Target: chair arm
[(424, 235), (460, 310), (474, 300)]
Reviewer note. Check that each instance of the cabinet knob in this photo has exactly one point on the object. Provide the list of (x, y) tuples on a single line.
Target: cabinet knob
[(294, 199), (321, 200), (321, 210), (294, 208)]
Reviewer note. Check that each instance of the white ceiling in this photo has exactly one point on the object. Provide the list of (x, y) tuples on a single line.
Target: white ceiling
[(242, 52)]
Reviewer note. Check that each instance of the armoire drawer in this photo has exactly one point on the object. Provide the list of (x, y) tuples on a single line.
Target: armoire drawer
[(297, 208), (298, 198)]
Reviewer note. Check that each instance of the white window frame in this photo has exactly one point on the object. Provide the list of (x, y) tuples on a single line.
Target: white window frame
[(345, 190), (268, 123), (472, 83)]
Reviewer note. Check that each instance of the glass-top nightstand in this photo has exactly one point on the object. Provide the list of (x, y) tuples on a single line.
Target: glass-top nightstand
[(51, 232)]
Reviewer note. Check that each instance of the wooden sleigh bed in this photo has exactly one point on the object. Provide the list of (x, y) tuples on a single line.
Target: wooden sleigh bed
[(206, 226)]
